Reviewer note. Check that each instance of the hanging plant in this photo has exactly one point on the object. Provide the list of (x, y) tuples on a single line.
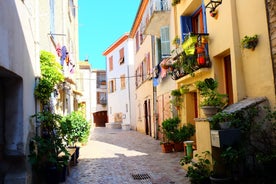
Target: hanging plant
[(175, 2), (250, 42), (176, 41), (177, 98)]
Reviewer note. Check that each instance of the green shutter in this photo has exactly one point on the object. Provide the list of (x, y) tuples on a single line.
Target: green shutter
[(165, 41)]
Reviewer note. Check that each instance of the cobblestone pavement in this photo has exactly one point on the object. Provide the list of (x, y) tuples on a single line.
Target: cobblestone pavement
[(115, 156)]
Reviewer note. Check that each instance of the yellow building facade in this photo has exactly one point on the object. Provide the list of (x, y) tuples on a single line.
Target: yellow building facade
[(241, 72)]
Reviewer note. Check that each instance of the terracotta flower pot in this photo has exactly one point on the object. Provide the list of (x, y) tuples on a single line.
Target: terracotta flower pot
[(201, 60), (167, 147), (200, 49)]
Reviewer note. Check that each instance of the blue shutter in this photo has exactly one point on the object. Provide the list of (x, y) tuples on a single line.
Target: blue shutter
[(186, 26)]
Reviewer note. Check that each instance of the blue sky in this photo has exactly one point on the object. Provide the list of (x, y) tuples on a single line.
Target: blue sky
[(101, 23)]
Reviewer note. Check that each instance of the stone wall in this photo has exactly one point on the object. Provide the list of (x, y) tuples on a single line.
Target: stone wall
[(271, 12)]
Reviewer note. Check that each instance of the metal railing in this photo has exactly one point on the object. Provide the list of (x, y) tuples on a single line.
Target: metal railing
[(160, 5)]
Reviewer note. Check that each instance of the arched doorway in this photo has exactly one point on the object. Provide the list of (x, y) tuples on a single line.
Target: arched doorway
[(100, 118)]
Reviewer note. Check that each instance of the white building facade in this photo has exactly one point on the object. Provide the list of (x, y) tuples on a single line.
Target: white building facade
[(26, 28), (121, 82), (99, 95), (19, 66)]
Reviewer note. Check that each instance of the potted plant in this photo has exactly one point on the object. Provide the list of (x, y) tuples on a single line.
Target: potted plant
[(182, 134), (189, 44), (199, 169), (250, 42), (212, 100), (175, 2), (169, 126), (189, 64), (221, 120), (48, 153), (74, 129), (45, 150)]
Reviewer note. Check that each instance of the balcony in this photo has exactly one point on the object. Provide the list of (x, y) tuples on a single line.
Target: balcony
[(189, 57), (101, 84), (103, 102), (160, 16)]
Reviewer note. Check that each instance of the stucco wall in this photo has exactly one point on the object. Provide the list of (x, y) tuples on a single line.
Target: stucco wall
[(121, 100), (271, 7), (145, 90), (18, 56), (251, 70)]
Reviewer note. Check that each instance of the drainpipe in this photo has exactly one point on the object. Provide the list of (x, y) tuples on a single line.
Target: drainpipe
[(129, 102), (64, 98), (153, 42)]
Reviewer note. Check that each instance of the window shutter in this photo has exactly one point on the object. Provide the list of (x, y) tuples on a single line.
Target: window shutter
[(123, 81), (186, 26), (109, 87), (148, 63), (114, 85), (165, 41), (98, 97), (137, 41), (122, 54), (110, 63)]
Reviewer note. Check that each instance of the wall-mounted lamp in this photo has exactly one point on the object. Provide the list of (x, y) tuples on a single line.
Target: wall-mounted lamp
[(213, 5)]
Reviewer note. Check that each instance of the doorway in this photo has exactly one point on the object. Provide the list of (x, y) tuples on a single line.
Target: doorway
[(228, 79), (11, 112), (147, 117)]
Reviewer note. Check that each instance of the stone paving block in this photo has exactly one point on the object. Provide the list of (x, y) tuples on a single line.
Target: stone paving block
[(113, 156)]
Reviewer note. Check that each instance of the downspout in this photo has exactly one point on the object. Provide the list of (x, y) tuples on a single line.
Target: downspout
[(129, 105), (154, 104)]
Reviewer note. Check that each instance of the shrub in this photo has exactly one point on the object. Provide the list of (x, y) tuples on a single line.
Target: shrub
[(75, 128)]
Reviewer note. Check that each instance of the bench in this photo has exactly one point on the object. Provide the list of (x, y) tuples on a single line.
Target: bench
[(72, 158)]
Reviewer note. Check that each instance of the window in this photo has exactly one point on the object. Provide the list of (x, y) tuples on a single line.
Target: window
[(122, 56), (71, 8), (52, 16), (193, 23), (197, 22), (165, 41), (101, 79), (110, 63), (111, 86), (139, 75), (143, 71), (101, 98), (123, 81)]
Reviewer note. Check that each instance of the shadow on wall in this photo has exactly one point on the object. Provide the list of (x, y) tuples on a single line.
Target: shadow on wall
[(16, 74)]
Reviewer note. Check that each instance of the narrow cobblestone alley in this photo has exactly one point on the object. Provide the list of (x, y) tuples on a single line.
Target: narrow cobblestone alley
[(115, 156)]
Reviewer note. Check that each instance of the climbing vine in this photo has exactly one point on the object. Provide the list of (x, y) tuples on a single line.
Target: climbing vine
[(51, 75)]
